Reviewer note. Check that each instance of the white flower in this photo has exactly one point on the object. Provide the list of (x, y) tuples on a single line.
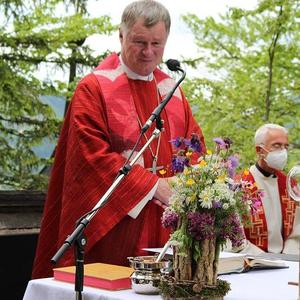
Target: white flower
[(225, 205), (206, 197), (209, 181), (232, 201)]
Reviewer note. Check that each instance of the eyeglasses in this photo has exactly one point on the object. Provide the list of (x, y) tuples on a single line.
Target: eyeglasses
[(279, 146), (276, 146)]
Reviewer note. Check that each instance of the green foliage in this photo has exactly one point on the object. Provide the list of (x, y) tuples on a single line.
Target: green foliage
[(253, 59), (34, 36), (24, 122)]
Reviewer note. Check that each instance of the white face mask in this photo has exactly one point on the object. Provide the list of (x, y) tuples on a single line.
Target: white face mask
[(277, 159)]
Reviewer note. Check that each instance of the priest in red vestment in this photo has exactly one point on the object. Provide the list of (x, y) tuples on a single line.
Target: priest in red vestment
[(100, 129), (274, 226)]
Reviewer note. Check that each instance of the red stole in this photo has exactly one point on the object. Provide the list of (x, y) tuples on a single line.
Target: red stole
[(257, 233)]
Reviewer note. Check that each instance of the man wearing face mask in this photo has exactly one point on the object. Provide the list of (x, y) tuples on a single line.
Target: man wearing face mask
[(274, 225)]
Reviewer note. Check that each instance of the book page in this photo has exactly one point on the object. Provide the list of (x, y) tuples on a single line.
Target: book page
[(255, 262), (230, 262)]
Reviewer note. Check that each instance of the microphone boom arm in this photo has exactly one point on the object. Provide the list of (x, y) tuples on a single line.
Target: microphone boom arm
[(157, 111)]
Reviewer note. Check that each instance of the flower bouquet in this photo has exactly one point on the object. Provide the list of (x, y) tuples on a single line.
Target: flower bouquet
[(208, 208)]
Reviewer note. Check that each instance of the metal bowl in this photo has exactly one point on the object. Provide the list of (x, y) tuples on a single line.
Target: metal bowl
[(145, 278), (145, 282)]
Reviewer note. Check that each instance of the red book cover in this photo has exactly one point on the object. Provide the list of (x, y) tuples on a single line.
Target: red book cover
[(104, 276)]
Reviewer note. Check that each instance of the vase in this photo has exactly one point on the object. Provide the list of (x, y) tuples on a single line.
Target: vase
[(195, 270)]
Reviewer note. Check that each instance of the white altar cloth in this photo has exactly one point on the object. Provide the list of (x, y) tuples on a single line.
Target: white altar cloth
[(253, 285)]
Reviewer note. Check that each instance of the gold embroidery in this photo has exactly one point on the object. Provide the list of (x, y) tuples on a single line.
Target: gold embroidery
[(257, 233), (289, 215)]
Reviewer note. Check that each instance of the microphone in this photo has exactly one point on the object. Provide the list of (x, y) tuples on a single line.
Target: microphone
[(173, 65)]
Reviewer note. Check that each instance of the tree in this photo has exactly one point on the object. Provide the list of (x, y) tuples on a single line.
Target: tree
[(253, 59), (46, 35)]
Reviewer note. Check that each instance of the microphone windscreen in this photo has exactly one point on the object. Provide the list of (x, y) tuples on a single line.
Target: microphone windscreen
[(173, 64)]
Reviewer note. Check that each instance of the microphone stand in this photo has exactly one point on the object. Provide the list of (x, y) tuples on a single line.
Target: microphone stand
[(77, 237)]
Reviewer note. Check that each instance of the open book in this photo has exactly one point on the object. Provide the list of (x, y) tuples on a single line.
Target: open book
[(237, 263)]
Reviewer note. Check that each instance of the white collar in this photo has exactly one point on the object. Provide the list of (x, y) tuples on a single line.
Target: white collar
[(133, 75)]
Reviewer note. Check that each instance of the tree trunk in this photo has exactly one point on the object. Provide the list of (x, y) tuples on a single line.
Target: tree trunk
[(206, 266), (204, 271), (182, 265)]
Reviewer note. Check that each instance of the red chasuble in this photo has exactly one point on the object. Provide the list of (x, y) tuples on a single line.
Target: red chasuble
[(258, 233), (100, 126)]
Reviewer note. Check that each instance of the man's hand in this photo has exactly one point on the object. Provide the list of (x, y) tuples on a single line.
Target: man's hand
[(163, 192)]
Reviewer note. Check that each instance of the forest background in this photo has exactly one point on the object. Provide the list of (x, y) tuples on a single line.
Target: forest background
[(251, 59)]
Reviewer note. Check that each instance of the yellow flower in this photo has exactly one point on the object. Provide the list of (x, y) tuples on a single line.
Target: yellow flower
[(186, 171), (190, 181), (162, 172), (246, 172), (188, 154), (202, 163), (221, 178), (193, 197), (209, 152)]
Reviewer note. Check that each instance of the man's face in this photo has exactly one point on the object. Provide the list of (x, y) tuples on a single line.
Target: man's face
[(276, 139), (270, 155), (143, 47)]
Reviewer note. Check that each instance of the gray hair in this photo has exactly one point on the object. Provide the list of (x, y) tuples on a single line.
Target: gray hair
[(151, 11), (261, 132)]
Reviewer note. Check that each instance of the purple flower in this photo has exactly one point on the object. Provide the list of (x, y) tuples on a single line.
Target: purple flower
[(178, 142), (201, 225), (194, 143), (169, 219), (228, 142), (232, 164), (178, 163), (231, 229), (220, 143), (253, 196), (217, 204)]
